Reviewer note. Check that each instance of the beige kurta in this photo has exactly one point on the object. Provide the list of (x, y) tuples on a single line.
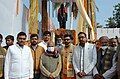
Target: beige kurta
[(50, 65), (36, 57), (67, 68), (2, 57)]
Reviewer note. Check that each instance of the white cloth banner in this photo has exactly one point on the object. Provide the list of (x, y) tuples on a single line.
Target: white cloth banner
[(10, 21)]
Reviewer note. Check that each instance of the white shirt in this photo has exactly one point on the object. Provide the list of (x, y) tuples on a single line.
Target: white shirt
[(103, 52), (43, 44), (18, 62), (82, 59)]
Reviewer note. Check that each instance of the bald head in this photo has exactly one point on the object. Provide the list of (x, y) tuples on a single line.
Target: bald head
[(104, 38), (50, 44)]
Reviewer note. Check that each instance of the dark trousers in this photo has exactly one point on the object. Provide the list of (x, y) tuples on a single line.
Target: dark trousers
[(36, 76), (62, 24), (115, 76)]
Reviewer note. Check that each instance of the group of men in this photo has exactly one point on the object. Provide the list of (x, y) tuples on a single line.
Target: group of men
[(45, 60)]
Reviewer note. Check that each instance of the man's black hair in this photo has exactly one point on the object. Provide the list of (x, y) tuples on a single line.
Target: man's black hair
[(68, 35), (1, 36), (21, 33), (33, 35), (10, 37), (46, 32), (82, 33)]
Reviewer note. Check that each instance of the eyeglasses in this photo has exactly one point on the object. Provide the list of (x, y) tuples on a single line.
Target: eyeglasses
[(47, 35), (81, 37)]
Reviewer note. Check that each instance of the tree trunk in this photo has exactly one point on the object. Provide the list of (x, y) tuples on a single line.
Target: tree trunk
[(44, 16)]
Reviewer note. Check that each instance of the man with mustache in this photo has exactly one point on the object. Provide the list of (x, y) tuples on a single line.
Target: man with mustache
[(36, 53), (84, 58), (19, 61), (106, 63), (67, 54)]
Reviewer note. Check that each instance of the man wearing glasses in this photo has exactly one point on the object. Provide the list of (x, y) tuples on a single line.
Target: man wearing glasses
[(19, 61), (84, 58), (66, 53)]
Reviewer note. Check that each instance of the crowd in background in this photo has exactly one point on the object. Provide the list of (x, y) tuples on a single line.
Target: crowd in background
[(44, 59)]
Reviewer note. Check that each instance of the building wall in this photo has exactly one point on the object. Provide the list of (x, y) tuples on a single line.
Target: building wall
[(110, 32), (11, 17)]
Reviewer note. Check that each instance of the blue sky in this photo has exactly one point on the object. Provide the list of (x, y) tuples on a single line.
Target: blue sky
[(105, 10)]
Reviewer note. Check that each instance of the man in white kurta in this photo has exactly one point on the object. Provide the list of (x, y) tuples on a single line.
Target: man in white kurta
[(84, 58), (19, 61), (46, 39)]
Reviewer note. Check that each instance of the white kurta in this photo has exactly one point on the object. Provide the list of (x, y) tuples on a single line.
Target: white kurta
[(18, 63), (84, 59), (43, 44)]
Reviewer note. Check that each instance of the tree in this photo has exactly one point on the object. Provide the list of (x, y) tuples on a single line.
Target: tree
[(44, 16), (111, 23), (116, 15), (99, 26)]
